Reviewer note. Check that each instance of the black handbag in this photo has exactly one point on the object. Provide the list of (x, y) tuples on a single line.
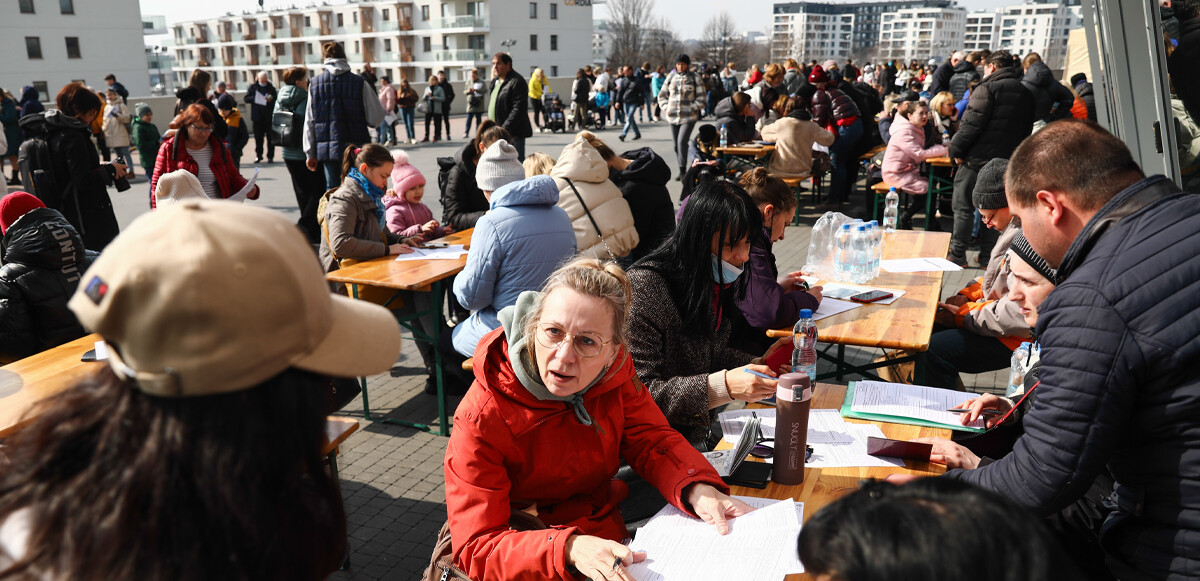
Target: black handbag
[(285, 132)]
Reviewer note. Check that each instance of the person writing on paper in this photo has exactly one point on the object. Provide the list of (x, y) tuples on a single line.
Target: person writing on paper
[(772, 301), (685, 296), (354, 217), (555, 406), (405, 213), (196, 149)]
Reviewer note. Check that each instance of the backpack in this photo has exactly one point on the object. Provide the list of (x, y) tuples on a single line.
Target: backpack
[(445, 164), (322, 203), (36, 163)]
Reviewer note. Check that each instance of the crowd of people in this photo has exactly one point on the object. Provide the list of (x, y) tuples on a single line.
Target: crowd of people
[(606, 327)]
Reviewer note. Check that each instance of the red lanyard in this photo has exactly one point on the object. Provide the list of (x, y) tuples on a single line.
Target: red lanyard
[(1018, 404)]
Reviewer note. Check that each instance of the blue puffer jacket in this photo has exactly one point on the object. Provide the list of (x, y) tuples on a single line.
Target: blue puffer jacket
[(523, 238), (1120, 384)]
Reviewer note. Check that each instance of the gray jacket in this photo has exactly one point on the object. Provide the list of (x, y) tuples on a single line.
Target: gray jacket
[(353, 227), (1001, 317)]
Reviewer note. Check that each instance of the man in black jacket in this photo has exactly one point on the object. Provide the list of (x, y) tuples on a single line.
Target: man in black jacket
[(1184, 62), (449, 89), (630, 97), (998, 116), (1086, 92), (942, 74), (964, 73), (261, 97), (1051, 100), (1120, 346), (507, 102)]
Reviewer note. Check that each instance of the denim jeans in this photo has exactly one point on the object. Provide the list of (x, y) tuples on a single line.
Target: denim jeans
[(384, 133), (842, 161), (406, 113), (964, 210), (649, 106), (333, 173), (478, 117), (124, 157), (630, 110)]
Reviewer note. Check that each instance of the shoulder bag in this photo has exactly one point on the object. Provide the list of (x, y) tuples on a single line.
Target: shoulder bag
[(284, 130), (590, 218)]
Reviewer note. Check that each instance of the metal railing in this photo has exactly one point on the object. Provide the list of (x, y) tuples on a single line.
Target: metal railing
[(460, 55), (459, 22)]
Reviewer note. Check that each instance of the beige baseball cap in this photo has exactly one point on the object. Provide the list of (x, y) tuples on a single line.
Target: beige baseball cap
[(205, 297)]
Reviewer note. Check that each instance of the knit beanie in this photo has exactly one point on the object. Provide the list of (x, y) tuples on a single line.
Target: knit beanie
[(226, 103), (685, 59), (989, 186), (498, 166), (141, 110), (178, 186), (1020, 246), (1078, 78), (15, 205), (404, 175), (829, 65), (818, 75)]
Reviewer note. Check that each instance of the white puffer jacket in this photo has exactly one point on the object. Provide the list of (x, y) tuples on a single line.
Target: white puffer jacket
[(582, 164)]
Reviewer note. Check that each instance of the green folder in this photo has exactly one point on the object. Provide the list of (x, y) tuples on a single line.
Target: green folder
[(848, 413)]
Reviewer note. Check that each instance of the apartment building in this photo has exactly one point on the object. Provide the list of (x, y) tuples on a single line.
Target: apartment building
[(1038, 27), (400, 39), (822, 30), (53, 42), (982, 32), (922, 33)]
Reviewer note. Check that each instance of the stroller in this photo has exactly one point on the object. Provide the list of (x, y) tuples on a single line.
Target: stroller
[(592, 115), (556, 118)]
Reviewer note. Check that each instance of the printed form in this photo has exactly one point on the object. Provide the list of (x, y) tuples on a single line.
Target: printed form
[(911, 401)]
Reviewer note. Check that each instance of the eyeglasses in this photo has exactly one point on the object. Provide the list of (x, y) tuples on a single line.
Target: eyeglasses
[(761, 450), (585, 344), (201, 128)]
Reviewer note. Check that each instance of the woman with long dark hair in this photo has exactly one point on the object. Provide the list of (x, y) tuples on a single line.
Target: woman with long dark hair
[(196, 93), (196, 453), (685, 297)]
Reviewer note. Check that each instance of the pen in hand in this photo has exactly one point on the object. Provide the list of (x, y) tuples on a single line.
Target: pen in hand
[(981, 412), (616, 563), (759, 373)]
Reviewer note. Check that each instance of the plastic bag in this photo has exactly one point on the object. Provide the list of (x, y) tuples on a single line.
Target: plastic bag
[(822, 245)]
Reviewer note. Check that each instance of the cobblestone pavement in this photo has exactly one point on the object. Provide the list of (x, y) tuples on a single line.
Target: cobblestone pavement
[(391, 476)]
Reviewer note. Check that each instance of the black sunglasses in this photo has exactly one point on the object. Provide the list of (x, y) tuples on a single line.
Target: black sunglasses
[(762, 450)]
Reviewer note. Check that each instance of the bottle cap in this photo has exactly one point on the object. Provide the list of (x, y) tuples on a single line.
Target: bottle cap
[(805, 313), (862, 227), (845, 226), (794, 387), (1026, 344)]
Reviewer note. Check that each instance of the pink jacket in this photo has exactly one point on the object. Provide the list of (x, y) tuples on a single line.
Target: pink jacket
[(405, 218), (387, 98), (905, 152)]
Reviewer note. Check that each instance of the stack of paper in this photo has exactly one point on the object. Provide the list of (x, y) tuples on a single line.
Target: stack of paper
[(907, 404), (835, 442), (830, 307), (933, 264), (760, 545), (450, 252)]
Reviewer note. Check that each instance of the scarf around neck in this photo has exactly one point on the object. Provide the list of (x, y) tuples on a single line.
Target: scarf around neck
[(373, 191)]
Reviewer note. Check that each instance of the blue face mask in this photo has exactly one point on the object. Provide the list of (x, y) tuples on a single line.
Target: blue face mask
[(723, 272)]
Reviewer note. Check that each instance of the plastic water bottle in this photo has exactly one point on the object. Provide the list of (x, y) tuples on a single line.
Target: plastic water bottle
[(804, 346), (842, 255), (1016, 374), (876, 248), (891, 210), (724, 136), (860, 244)]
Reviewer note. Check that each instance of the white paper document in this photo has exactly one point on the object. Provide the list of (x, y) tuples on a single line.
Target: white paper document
[(932, 264), (825, 426), (451, 252), (241, 194), (260, 98), (101, 350), (911, 401), (760, 545), (837, 290), (853, 454), (830, 307)]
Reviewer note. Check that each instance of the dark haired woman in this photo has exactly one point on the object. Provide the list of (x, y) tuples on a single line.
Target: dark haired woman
[(196, 453), (463, 203), (196, 93), (771, 301), (308, 185), (80, 181), (685, 297), (196, 149), (342, 107)]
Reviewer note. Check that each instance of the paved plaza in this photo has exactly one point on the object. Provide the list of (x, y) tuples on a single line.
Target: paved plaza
[(392, 476)]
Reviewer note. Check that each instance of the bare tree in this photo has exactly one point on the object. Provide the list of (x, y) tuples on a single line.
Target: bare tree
[(628, 21), (662, 45), (721, 41)]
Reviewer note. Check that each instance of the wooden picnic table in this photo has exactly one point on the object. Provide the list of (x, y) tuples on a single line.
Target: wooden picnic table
[(904, 324)]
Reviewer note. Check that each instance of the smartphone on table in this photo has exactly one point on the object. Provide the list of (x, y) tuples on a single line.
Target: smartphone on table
[(871, 296)]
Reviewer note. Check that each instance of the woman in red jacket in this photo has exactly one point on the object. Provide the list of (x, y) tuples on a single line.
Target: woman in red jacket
[(546, 436), (194, 148)]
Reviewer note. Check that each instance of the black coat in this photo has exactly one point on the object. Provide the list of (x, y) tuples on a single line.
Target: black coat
[(463, 203), (261, 113), (82, 182), (999, 116), (631, 93), (1120, 338), (512, 107), (1051, 100), (1184, 66), (964, 73), (43, 263), (739, 128), (1088, 94), (644, 185), (941, 78)]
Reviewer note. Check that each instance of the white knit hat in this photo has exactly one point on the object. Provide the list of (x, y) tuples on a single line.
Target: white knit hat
[(177, 186), (498, 166)]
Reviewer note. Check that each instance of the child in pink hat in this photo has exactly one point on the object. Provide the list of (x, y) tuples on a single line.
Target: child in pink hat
[(405, 213)]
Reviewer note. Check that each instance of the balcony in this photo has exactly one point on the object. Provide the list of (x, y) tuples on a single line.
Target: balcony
[(240, 62), (468, 55), (310, 31), (281, 33), (459, 22), (313, 59), (397, 57)]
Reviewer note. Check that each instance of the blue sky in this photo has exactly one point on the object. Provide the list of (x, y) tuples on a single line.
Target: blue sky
[(687, 17)]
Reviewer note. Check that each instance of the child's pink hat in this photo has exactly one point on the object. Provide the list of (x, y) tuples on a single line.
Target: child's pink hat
[(404, 175)]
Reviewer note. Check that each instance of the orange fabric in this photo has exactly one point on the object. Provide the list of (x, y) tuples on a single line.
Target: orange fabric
[(973, 291), (1011, 342), (1079, 109)]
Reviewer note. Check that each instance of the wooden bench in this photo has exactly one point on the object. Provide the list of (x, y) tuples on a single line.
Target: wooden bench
[(337, 429), (874, 150), (881, 188)]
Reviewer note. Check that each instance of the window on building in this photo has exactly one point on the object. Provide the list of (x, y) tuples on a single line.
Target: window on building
[(310, 48), (73, 47), (354, 17), (445, 42), (66, 6), (427, 44), (553, 42), (26, 6), (553, 11), (553, 68), (357, 47), (387, 15), (242, 52), (341, 20), (308, 21), (42, 87), (33, 47), (533, 42), (533, 10), (428, 73), (387, 45), (424, 13)]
